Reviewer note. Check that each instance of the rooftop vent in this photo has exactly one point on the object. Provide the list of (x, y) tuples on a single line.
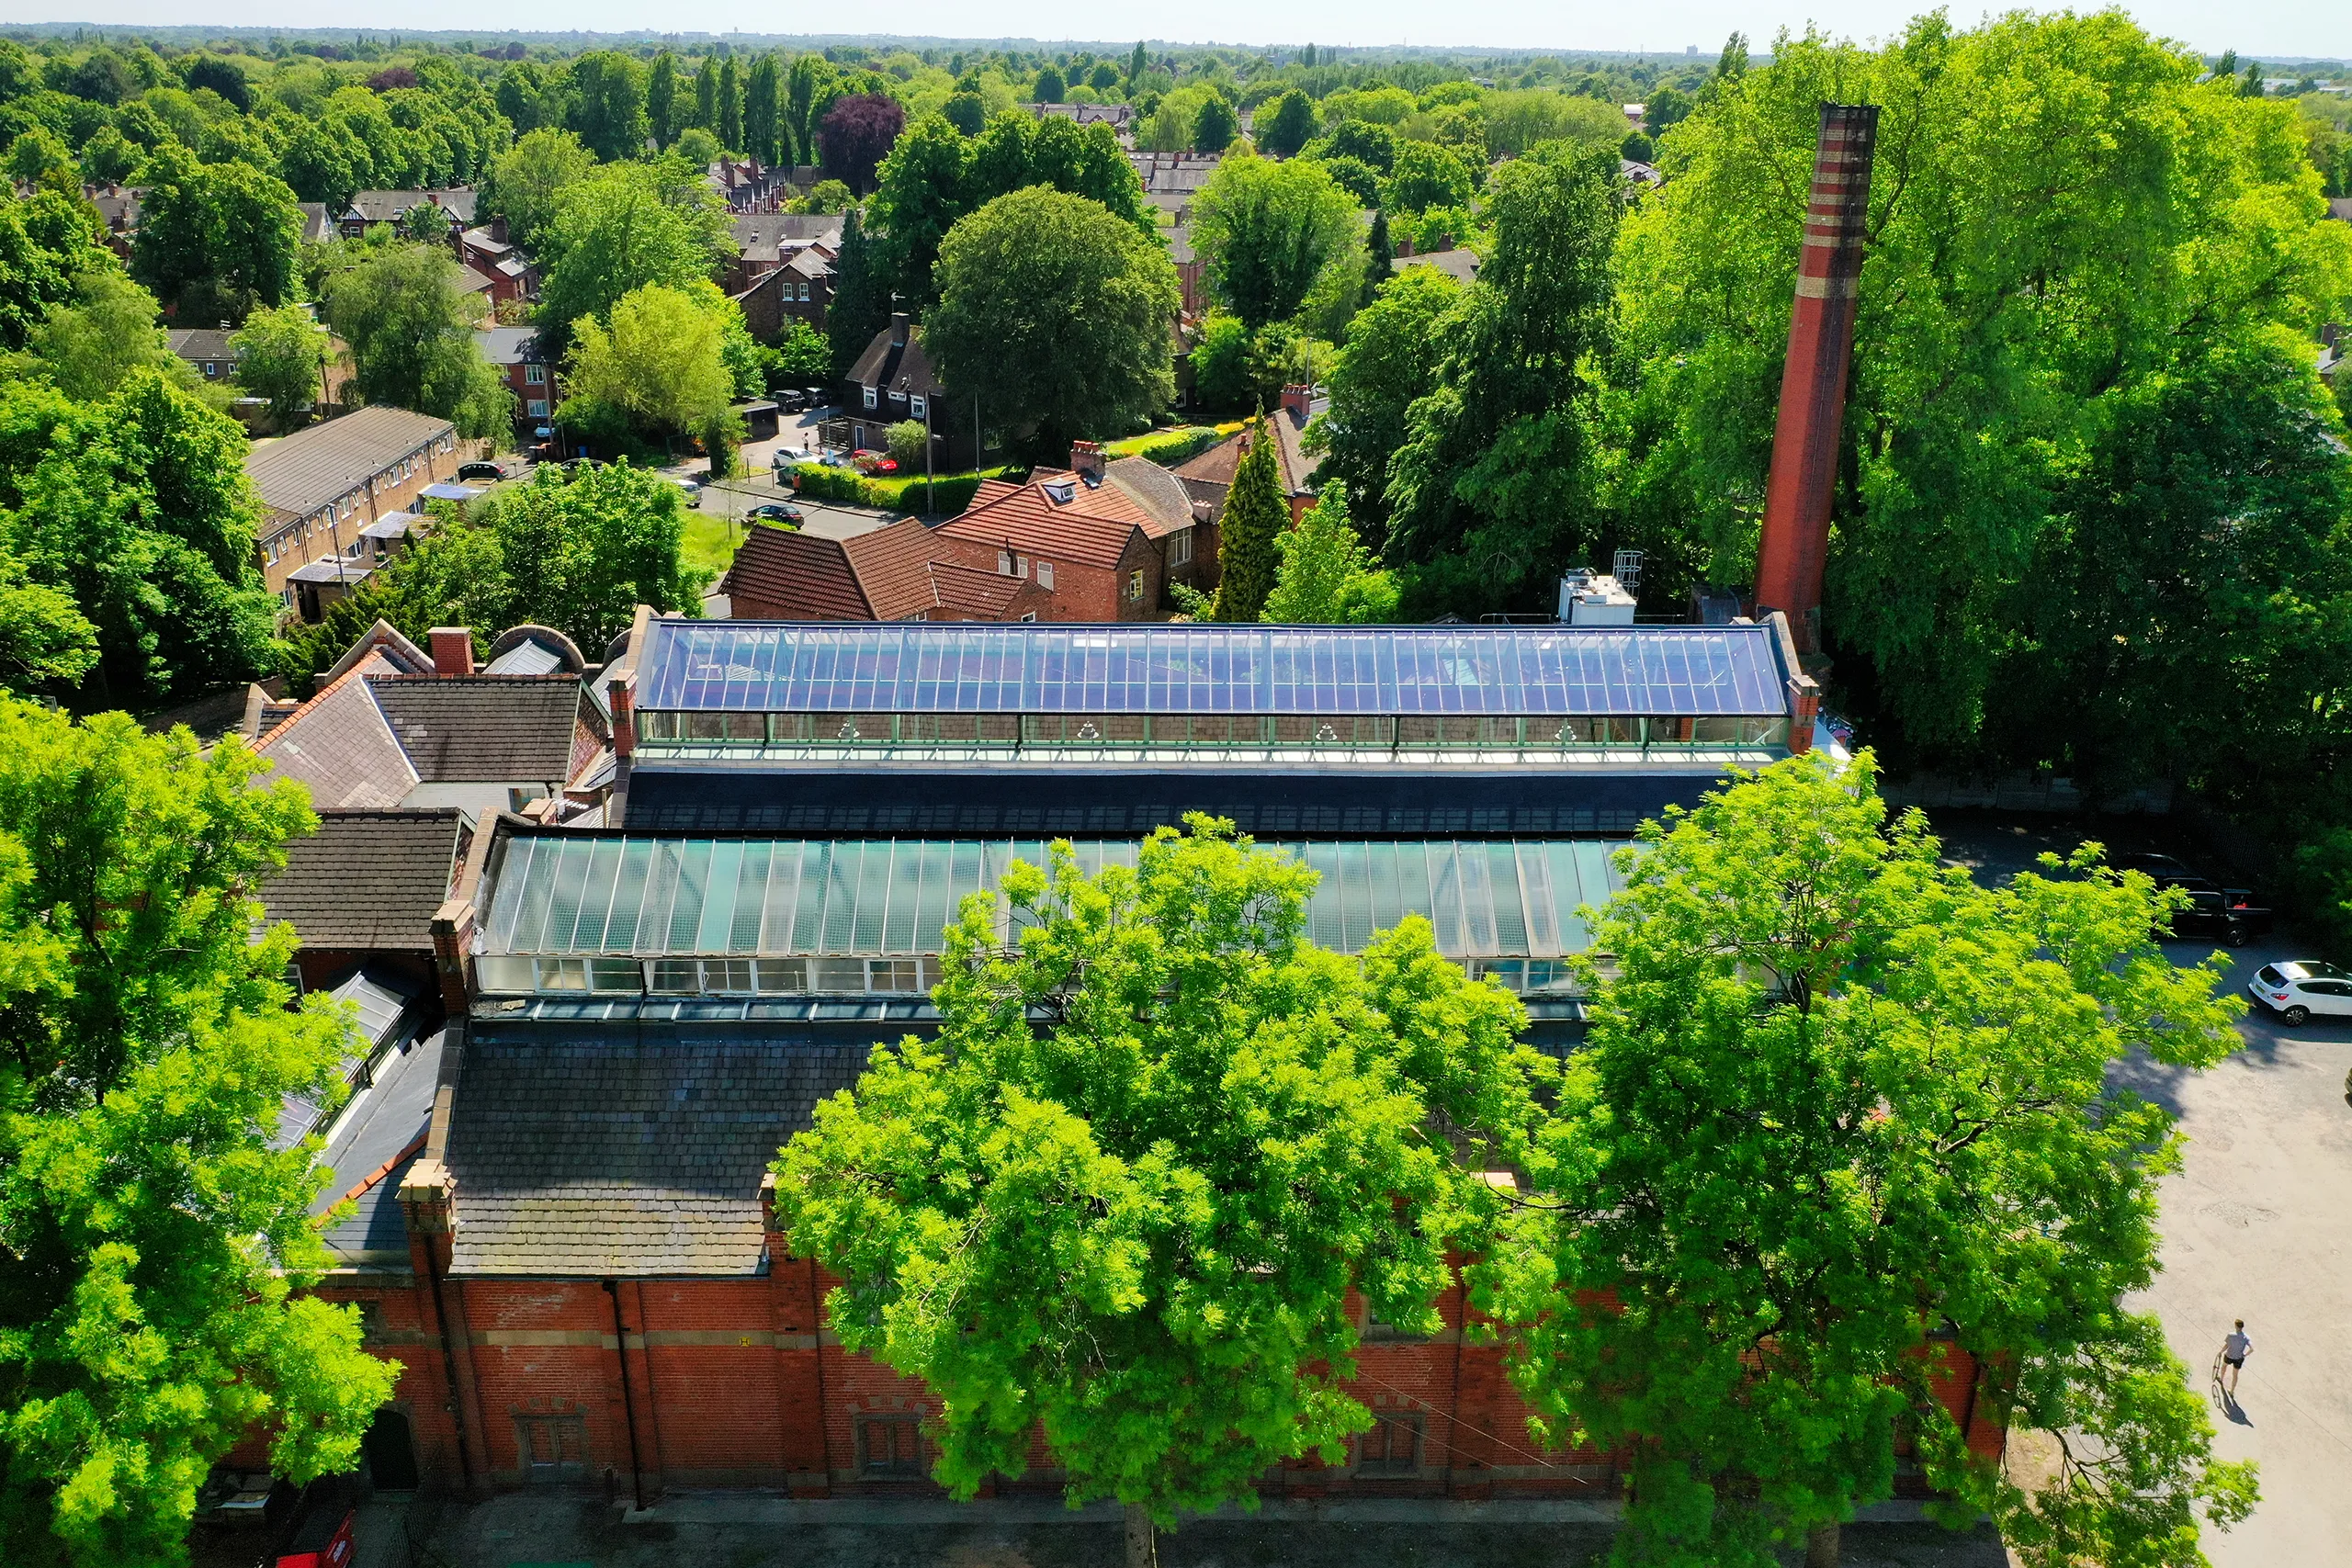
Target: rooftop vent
[(1589, 598)]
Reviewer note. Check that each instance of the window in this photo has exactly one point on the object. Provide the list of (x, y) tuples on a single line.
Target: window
[(1046, 574), (676, 978), (1031, 616), (722, 977), (535, 375), (897, 394), (1393, 1447), (1180, 548), (1135, 587), (914, 408), (872, 400), (537, 408), (890, 1446), (894, 975), (1011, 563)]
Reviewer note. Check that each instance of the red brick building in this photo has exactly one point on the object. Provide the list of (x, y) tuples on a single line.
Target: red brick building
[(1102, 540)]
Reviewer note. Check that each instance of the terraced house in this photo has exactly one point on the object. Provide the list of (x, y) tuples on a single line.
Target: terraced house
[(323, 487)]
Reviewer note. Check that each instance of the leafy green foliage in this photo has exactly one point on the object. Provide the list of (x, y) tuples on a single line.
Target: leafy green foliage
[(581, 553), (46, 245), (658, 367), (1385, 367), (1054, 312), (622, 226), (154, 1239), (1327, 576), (1284, 124), (138, 508), (279, 356), (1841, 1110), (1215, 126), (411, 329), (1126, 1195), (1266, 232), (527, 181), (216, 240), (1491, 483), (89, 347), (1426, 175), (1255, 515)]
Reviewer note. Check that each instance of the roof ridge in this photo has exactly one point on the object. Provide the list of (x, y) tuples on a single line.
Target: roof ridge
[(321, 695), (359, 1189)]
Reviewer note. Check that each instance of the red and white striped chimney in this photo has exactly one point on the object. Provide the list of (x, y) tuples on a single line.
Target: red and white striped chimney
[(1795, 546)]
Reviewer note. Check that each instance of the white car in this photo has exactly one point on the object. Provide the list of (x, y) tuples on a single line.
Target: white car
[(692, 490), (2302, 989)]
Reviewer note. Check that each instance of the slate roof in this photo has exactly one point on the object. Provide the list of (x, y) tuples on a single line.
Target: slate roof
[(317, 227), (384, 206), (338, 744), (897, 367), (201, 345), (812, 263), (483, 729), (595, 1151), (368, 879), (379, 1137), (509, 345), (1159, 492), (1457, 263), (316, 467), (769, 236), (1093, 528)]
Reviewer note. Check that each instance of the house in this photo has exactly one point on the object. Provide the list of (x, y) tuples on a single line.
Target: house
[(902, 573), (766, 240), (799, 290), (1174, 173), (481, 291), (529, 371), (361, 891), (1120, 117), (118, 211), (1098, 554), (2340, 208), (204, 349), (369, 208), (383, 733), (322, 485), (486, 251), (893, 381), (317, 226), (1209, 475)]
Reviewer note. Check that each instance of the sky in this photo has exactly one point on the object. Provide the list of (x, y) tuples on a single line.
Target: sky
[(2254, 27)]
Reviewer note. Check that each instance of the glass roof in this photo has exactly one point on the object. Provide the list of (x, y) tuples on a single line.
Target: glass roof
[(798, 667), (579, 893)]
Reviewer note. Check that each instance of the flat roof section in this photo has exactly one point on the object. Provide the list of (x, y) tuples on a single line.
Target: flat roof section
[(794, 666)]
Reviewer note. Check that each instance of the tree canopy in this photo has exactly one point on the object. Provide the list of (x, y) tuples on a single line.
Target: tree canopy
[(1253, 518), (659, 366), (1249, 1126), (216, 240), (1327, 576), (411, 329), (156, 1240), (1844, 1115), (1266, 232), (1054, 311), (622, 226)]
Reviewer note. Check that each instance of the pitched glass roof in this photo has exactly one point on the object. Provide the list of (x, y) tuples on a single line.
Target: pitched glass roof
[(798, 667), (578, 892)]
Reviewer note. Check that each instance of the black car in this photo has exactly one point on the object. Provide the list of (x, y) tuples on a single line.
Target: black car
[(2227, 915), (773, 511), (480, 473)]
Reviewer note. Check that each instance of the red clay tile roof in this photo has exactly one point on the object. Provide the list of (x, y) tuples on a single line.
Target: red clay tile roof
[(968, 590), (1093, 528), (881, 576)]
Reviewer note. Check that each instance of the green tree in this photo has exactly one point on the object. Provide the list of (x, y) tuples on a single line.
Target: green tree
[(731, 107), (661, 99), (45, 640), (1386, 367), (280, 355), (763, 111), (705, 115), (1054, 313), (658, 365), (1215, 126), (1380, 258), (40, 157), (608, 105), (801, 357), (140, 509), (90, 346), (907, 441), (1254, 518), (1265, 231), (581, 550), (1137, 63), (2250, 86), (46, 245), (861, 304), (810, 88), (1327, 576), (621, 227), (1284, 124), (156, 1240), (1426, 176), (919, 191), (215, 240), (967, 112), (1036, 1215), (1667, 105), (1824, 1060), (528, 180), (1050, 88), (1491, 487), (411, 329)]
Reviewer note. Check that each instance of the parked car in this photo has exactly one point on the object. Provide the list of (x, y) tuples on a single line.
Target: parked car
[(481, 473), (868, 461), (773, 511), (693, 490), (2227, 915), (2298, 989), (792, 403)]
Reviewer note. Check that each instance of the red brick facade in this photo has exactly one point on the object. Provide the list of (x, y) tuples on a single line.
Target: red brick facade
[(703, 1383)]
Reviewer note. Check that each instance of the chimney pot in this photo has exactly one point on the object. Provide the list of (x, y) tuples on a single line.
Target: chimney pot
[(1085, 459), (1296, 398), (453, 651)]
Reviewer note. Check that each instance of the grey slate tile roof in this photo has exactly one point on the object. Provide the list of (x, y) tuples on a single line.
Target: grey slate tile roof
[(340, 746), (591, 1149), (483, 729), (302, 472), (368, 879), (383, 1127)]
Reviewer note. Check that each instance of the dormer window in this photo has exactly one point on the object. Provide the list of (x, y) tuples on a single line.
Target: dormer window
[(871, 399), (1061, 492)]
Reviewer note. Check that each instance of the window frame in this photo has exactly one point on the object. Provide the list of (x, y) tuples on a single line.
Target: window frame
[(895, 1465), (1385, 1463)]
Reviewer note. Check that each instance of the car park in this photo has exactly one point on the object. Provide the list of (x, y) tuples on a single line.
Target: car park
[(773, 511), (2301, 990)]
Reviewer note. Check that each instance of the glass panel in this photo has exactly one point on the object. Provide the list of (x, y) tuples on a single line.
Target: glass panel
[(1535, 893), (1504, 899), (781, 976), (834, 976), (842, 887), (1478, 899), (531, 892), (750, 899), (694, 886), (509, 883), (1354, 878), (676, 976), (632, 887), (1446, 900), (616, 975), (784, 893), (1323, 911), (717, 920), (816, 877), (1592, 871), (726, 976), (1567, 884), (501, 974), (563, 975), (662, 891), (596, 897)]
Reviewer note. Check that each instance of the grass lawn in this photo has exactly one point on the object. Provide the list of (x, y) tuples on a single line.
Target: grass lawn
[(710, 541)]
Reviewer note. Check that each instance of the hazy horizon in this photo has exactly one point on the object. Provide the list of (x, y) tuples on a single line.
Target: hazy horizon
[(2316, 30)]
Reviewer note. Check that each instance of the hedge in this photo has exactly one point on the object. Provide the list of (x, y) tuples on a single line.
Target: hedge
[(1170, 447), (954, 493)]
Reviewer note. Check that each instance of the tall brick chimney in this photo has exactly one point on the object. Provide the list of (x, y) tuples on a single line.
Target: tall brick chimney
[(453, 651), (1086, 461), (1795, 546), (1297, 398)]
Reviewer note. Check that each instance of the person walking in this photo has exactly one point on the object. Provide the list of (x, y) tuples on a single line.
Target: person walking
[(2234, 1350)]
